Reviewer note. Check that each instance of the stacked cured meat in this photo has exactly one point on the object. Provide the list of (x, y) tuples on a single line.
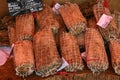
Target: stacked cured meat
[(73, 18), (23, 50), (71, 53), (115, 55), (117, 19), (38, 52), (96, 55), (46, 20), (25, 27), (23, 58), (111, 31), (46, 55)]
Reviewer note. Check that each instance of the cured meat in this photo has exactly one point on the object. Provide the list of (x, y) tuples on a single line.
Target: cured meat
[(117, 19), (115, 55), (46, 19), (111, 31), (96, 59), (71, 53), (73, 18), (46, 55), (23, 58), (25, 27)]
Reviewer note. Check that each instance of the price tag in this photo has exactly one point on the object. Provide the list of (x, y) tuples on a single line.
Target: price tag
[(24, 6), (104, 21), (64, 64), (3, 57), (5, 53), (83, 55), (56, 7)]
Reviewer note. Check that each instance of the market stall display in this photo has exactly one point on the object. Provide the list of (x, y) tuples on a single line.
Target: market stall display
[(72, 44)]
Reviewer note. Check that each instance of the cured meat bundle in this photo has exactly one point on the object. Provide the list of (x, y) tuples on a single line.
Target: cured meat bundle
[(96, 59), (25, 27), (23, 58), (115, 55), (73, 18), (117, 19), (46, 55), (12, 33), (46, 19), (111, 31), (71, 53)]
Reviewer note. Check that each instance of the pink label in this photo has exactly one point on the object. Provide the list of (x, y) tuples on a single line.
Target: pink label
[(83, 55), (3, 57), (5, 54), (56, 7), (104, 21)]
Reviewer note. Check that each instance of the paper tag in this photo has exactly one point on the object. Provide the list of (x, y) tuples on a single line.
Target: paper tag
[(24, 6), (56, 7), (7, 50), (104, 21), (83, 55), (64, 64), (3, 57), (5, 53)]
